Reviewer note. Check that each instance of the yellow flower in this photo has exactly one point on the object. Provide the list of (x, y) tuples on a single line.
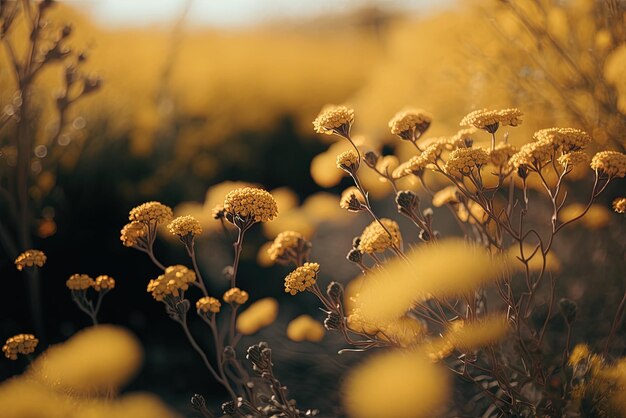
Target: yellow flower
[(417, 164), (533, 155), (286, 242), (352, 199), (79, 282), (30, 258), (482, 332), (579, 354), (619, 205), (171, 282), (132, 233), (259, 315), (208, 304), (301, 278), (375, 239), (462, 161), (151, 212), (334, 120), (251, 204), (445, 196), (574, 158), (500, 155), (348, 161), (410, 124), (567, 139), (235, 296), (490, 120), (611, 163), (19, 344), (184, 226), (104, 283), (305, 328)]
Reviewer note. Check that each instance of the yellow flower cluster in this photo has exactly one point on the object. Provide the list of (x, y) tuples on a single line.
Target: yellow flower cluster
[(619, 205), (611, 163), (151, 212), (333, 119), (500, 155), (574, 158), (351, 199), (30, 258), (348, 161), (417, 164), (533, 155), (174, 279), (251, 203), (285, 241), (79, 282), (132, 232), (185, 225), (104, 283), (208, 304), (490, 120), (235, 296), (375, 238), (462, 161), (567, 139), (301, 278), (305, 328), (19, 344), (405, 123)]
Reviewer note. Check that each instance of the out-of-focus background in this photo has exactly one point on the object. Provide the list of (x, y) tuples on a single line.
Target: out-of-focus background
[(199, 94)]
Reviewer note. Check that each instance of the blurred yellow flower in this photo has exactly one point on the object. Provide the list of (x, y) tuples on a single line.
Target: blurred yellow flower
[(596, 217), (305, 328), (260, 314)]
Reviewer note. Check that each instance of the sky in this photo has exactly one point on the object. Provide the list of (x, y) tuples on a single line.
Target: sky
[(230, 13)]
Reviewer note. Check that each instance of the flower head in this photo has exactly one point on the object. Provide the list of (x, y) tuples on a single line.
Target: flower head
[(208, 304), (132, 233), (574, 158), (30, 258), (184, 226), (79, 282), (410, 124), (286, 245), (235, 296), (567, 139), (533, 155), (171, 282), (611, 163), (462, 161), (376, 239), (352, 200), (104, 283), (334, 120), (151, 212), (301, 278), (417, 164), (619, 205), (490, 120), (19, 344), (251, 204), (348, 161), (446, 195)]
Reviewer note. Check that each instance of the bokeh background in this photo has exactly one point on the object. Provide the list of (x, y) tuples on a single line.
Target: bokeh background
[(199, 94)]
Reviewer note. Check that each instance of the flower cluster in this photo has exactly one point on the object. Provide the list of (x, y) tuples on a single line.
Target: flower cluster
[(462, 161), (417, 164), (184, 226), (334, 119), (490, 120), (501, 154), (376, 239), (132, 233), (348, 161), (104, 283), (611, 163), (208, 304), (174, 279), (566, 139), (286, 241), (410, 124), (352, 199), (19, 344), (533, 155), (301, 278), (79, 282), (619, 205), (574, 158), (250, 203), (151, 212), (235, 296), (30, 258)]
